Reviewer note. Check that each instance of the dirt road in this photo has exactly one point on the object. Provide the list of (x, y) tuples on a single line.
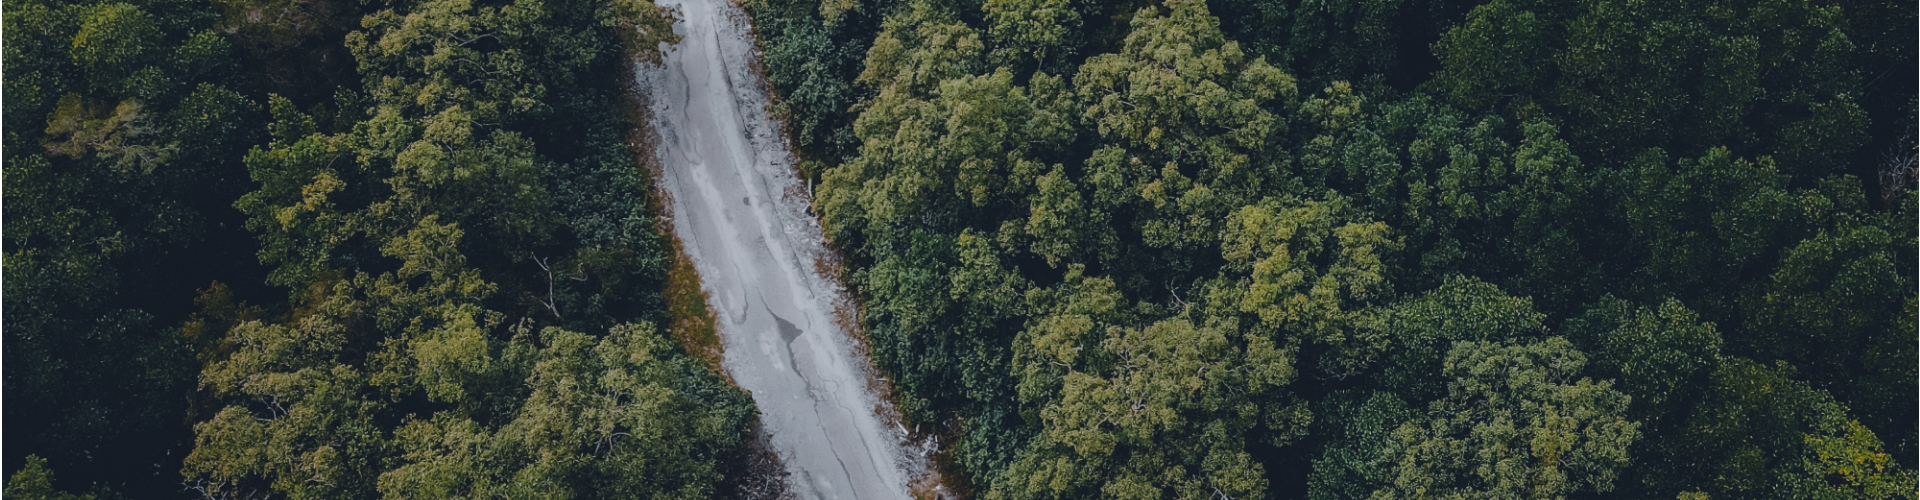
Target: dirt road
[(740, 211)]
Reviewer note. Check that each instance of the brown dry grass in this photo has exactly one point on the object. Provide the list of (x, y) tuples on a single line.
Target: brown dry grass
[(689, 317)]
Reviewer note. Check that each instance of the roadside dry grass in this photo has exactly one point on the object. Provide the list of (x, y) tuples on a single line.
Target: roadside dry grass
[(690, 318)]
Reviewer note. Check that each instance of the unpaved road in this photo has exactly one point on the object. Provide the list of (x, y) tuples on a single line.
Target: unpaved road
[(739, 209)]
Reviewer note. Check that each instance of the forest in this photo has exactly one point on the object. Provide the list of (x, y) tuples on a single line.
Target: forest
[(1134, 249), (1379, 248), (323, 249)]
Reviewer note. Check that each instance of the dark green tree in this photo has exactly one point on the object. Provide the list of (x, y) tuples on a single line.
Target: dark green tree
[(812, 52), (121, 142), (1762, 77), (1758, 433), (1512, 205)]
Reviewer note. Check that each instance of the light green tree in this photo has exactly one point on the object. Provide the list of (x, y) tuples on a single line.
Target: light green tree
[(1188, 125), (35, 482), (1157, 411), (1305, 273), (1518, 421), (1031, 33)]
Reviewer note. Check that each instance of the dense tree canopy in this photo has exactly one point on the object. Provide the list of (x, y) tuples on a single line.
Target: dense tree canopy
[(1539, 249), (459, 282), (120, 155), (1144, 249)]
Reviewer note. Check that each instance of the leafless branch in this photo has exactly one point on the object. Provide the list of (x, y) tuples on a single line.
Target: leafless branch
[(1898, 171), (549, 270)]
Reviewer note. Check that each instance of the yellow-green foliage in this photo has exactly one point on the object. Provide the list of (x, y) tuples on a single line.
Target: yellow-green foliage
[(1149, 255)]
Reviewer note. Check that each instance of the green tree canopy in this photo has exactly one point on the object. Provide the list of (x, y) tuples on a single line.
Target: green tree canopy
[(1763, 77), (1517, 422)]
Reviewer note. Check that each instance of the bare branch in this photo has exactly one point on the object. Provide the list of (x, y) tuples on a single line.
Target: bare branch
[(549, 302)]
